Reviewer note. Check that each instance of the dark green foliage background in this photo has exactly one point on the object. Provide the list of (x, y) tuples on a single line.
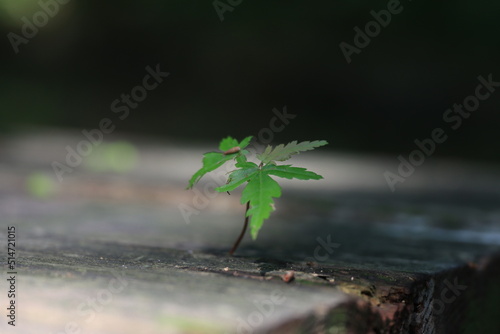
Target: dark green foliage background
[(227, 76)]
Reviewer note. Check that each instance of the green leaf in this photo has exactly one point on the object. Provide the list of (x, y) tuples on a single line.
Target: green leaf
[(244, 143), (242, 156), (229, 142), (246, 164), (260, 191), (211, 161), (284, 152), (239, 176), (289, 172)]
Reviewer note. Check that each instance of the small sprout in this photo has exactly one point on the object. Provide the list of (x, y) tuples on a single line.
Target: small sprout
[(260, 188)]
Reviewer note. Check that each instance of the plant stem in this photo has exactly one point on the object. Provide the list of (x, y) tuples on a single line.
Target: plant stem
[(236, 244)]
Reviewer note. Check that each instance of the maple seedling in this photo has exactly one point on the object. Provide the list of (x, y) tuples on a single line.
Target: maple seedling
[(260, 187)]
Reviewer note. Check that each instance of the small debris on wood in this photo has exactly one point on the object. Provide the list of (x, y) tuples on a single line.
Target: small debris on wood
[(226, 269), (289, 276)]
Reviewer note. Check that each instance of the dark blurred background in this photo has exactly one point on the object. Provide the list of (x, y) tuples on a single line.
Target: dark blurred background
[(227, 76)]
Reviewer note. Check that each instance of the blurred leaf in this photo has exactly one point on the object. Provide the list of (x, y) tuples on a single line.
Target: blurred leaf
[(40, 185)]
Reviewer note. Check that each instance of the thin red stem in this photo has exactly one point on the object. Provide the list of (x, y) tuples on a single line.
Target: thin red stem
[(236, 244)]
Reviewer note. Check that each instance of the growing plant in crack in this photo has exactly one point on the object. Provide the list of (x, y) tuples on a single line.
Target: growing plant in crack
[(260, 188)]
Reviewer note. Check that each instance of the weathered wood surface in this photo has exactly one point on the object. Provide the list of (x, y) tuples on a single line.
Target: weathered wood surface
[(112, 253)]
